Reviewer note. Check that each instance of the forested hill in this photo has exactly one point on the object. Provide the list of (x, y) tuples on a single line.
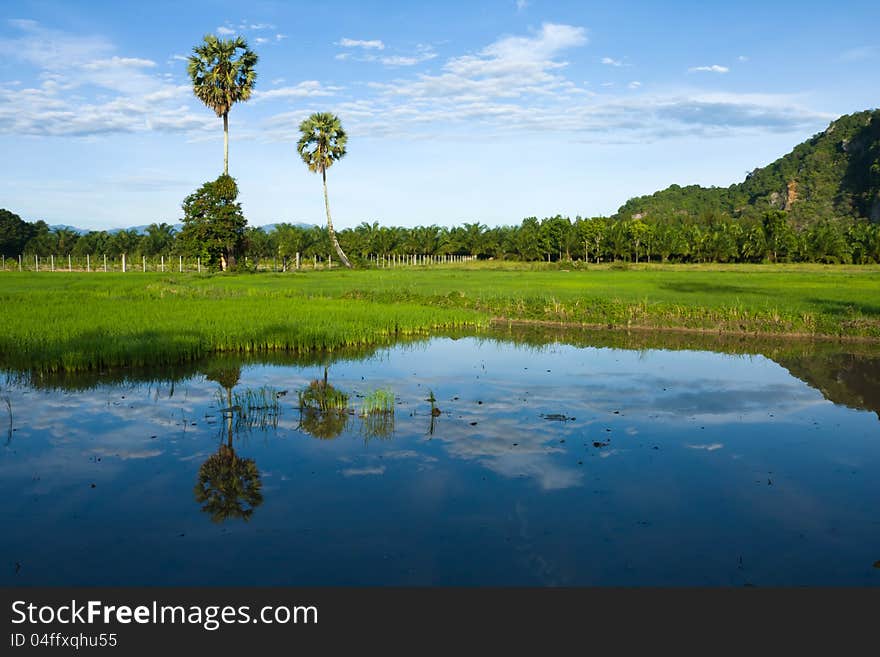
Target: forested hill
[(833, 175)]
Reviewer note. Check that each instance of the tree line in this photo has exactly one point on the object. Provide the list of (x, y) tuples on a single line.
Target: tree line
[(711, 238)]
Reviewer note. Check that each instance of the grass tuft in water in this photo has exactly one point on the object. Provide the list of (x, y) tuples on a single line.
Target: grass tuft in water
[(321, 396), (378, 401)]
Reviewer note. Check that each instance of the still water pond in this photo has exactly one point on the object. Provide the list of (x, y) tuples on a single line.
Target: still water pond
[(551, 465)]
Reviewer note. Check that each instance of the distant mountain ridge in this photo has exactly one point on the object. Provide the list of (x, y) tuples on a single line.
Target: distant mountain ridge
[(833, 175)]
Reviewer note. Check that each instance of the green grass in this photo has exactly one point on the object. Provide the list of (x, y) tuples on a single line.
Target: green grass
[(99, 321), (378, 401), (93, 321)]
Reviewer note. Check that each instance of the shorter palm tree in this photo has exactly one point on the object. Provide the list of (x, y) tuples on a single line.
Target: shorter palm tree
[(321, 143)]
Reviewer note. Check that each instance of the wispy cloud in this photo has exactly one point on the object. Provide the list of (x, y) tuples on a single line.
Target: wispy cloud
[(714, 68), (860, 54), (225, 31), (364, 472), (517, 84), (608, 61), (305, 89), (372, 44), (521, 5)]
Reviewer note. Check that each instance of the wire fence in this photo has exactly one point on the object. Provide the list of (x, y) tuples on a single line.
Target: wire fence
[(181, 264)]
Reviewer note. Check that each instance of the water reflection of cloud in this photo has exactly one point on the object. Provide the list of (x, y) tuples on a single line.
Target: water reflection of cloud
[(363, 472)]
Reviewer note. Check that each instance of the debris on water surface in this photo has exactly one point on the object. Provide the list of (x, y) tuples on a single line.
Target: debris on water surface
[(559, 417), (473, 424), (598, 444), (877, 564)]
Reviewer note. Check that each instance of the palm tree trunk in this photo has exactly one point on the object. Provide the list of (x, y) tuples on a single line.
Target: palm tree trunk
[(330, 223), (226, 143)]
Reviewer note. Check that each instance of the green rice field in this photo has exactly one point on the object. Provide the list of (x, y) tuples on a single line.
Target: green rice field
[(78, 321)]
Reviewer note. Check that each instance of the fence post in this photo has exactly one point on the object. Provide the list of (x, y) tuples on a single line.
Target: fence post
[(180, 263), (19, 262), (163, 263), (123, 263), (37, 262), (52, 260), (69, 265), (105, 263), (329, 261), (88, 263), (297, 260), (145, 263), (200, 264)]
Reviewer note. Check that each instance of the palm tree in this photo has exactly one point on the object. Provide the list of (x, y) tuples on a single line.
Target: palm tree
[(322, 143), (220, 79)]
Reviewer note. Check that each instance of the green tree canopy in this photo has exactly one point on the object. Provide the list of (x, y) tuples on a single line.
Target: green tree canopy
[(213, 223)]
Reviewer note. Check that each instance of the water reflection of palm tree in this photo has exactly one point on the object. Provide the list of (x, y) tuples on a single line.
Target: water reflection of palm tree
[(227, 377), (323, 411), (228, 486)]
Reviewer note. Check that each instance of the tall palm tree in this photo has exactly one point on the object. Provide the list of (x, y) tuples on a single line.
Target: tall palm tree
[(321, 143), (220, 79)]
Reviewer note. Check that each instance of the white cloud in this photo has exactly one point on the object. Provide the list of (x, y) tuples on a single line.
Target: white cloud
[(399, 60), (225, 31), (373, 44), (305, 89), (510, 67), (129, 97), (742, 58), (714, 68), (517, 84), (608, 61), (521, 5), (119, 62), (261, 40), (279, 37)]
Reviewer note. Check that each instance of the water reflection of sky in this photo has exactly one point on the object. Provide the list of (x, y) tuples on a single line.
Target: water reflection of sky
[(553, 465)]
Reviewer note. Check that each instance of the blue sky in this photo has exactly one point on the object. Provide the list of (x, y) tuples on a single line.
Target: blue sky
[(456, 111)]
